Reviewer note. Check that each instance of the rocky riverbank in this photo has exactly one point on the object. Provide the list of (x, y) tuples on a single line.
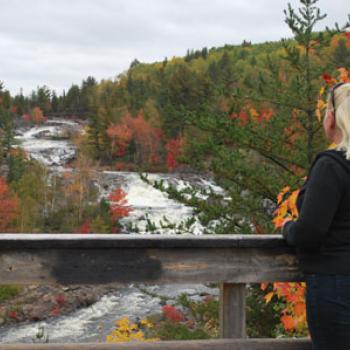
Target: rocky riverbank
[(37, 303)]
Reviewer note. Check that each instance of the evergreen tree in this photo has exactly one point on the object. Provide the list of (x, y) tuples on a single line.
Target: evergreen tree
[(43, 99), (54, 102), (6, 124), (341, 54), (72, 100), (269, 135), (86, 91), (21, 103)]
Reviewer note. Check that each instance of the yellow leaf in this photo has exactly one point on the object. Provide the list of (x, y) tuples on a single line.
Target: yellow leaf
[(285, 189), (280, 197), (278, 222), (344, 74), (292, 203), (268, 297), (253, 112), (318, 114), (283, 209), (321, 104)]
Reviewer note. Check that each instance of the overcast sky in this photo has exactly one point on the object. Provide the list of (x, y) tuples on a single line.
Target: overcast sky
[(60, 42)]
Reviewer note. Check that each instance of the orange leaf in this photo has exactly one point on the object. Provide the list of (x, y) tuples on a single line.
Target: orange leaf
[(263, 285), (299, 309), (288, 322)]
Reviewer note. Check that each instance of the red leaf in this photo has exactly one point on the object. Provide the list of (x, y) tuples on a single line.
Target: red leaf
[(55, 311), (327, 78), (60, 299), (118, 204), (13, 315), (84, 228), (172, 314)]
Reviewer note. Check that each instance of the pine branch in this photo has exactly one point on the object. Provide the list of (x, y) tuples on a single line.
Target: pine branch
[(272, 101), (276, 159)]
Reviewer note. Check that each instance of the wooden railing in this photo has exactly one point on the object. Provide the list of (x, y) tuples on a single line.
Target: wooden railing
[(231, 260)]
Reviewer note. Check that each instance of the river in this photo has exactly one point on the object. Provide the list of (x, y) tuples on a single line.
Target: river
[(47, 143)]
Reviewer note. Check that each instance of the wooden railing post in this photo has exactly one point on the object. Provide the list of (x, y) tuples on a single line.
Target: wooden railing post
[(232, 310)]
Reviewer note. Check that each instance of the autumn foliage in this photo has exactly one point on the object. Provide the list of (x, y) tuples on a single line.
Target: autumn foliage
[(329, 81), (337, 38), (252, 115), (146, 143), (137, 129), (36, 116), (128, 331), (172, 314), (118, 206), (293, 315), (120, 135), (85, 227), (9, 207), (174, 149), (286, 206)]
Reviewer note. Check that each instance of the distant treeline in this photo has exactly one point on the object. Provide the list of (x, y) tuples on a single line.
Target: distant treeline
[(163, 96)]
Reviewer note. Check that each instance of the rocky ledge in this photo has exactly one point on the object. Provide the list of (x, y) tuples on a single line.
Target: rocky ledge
[(37, 303)]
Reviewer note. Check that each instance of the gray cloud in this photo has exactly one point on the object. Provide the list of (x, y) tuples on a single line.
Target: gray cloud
[(58, 43)]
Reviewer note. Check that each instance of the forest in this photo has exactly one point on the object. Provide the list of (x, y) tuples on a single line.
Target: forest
[(249, 115)]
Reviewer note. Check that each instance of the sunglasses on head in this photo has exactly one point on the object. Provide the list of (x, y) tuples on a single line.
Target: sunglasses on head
[(334, 87)]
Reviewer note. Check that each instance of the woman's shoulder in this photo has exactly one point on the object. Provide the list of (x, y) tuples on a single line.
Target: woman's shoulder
[(333, 157), (332, 152), (331, 166)]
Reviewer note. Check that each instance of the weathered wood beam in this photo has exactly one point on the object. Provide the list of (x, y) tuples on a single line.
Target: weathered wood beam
[(220, 344), (125, 259), (232, 313), (93, 241)]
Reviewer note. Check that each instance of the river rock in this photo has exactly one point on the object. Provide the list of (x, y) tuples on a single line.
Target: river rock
[(37, 303)]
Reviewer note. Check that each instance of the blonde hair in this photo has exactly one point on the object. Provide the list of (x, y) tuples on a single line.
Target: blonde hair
[(342, 116)]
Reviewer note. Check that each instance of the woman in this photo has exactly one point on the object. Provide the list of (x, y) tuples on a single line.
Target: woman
[(321, 234)]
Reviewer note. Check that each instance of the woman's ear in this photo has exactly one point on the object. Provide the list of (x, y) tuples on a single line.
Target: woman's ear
[(329, 120), (329, 125), (332, 119)]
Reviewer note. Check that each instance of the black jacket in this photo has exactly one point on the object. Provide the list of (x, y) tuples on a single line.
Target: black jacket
[(321, 234)]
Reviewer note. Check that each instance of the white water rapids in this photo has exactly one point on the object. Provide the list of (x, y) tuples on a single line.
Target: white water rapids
[(93, 323)]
